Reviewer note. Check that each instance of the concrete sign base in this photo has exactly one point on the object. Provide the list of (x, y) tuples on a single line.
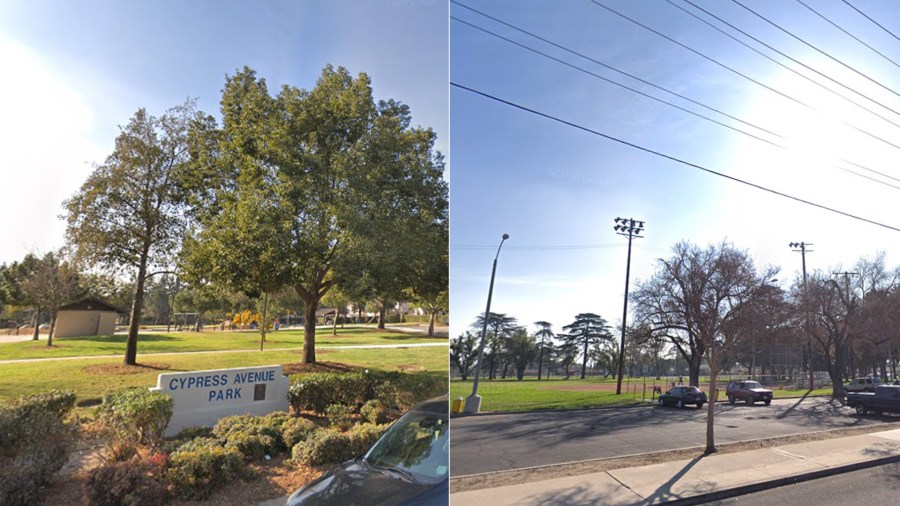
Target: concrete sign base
[(201, 398)]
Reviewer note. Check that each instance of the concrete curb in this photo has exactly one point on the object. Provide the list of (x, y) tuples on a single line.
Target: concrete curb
[(780, 482)]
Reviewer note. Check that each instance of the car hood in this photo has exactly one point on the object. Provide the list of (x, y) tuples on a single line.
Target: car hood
[(356, 483), (761, 390)]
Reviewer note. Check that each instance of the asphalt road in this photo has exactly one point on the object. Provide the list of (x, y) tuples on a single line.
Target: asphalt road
[(495, 442), (871, 487)]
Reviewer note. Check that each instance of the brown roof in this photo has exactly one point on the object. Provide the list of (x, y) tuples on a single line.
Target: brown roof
[(91, 304)]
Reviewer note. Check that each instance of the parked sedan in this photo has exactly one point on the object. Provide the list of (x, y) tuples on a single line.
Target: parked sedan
[(679, 396), (748, 391), (407, 466)]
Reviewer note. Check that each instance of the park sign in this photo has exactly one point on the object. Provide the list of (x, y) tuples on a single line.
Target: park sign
[(201, 398)]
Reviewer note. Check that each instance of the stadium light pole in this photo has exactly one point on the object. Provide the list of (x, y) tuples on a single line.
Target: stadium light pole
[(630, 228), (473, 402), (809, 358)]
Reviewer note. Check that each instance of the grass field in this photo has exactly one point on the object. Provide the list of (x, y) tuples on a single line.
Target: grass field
[(530, 394), (202, 341), (91, 378), (557, 393)]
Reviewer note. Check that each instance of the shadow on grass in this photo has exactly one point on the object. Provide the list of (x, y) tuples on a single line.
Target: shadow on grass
[(120, 338)]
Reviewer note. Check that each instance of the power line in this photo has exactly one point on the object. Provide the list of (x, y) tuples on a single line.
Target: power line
[(758, 83), (558, 247), (633, 90), (602, 64), (785, 55), (854, 37), (870, 19), (824, 53), (581, 69), (673, 158)]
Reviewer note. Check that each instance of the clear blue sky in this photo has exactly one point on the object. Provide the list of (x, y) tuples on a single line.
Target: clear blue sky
[(74, 71), (556, 189)]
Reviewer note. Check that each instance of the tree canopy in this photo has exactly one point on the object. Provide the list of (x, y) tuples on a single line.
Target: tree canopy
[(129, 214), (313, 188)]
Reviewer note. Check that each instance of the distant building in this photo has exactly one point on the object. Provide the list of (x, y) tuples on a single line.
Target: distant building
[(86, 317)]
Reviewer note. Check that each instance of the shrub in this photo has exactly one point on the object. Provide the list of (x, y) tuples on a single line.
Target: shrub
[(364, 435), (317, 391), (134, 482), (137, 414), (374, 411), (34, 443), (341, 416), (324, 446), (199, 466), (296, 429), (253, 436)]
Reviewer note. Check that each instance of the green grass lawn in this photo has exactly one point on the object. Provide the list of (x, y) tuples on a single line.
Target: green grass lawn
[(203, 341), (89, 379), (557, 393), (531, 394)]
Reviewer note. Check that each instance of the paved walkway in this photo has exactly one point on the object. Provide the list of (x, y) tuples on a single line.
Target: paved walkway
[(145, 355), (701, 479)]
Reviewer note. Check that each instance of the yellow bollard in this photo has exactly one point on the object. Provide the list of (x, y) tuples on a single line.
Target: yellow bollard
[(457, 405)]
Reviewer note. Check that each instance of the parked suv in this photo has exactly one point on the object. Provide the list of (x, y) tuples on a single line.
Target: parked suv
[(748, 391), (862, 385)]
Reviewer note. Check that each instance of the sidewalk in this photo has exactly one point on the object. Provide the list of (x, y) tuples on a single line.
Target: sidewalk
[(701, 479)]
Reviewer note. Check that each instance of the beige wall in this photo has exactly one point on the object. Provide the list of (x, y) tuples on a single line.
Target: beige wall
[(84, 323)]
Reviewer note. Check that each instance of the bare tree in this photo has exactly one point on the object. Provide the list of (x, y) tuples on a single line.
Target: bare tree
[(694, 300), (834, 310)]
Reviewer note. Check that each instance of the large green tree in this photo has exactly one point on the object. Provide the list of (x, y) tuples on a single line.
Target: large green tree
[(128, 214), (587, 330), (327, 184)]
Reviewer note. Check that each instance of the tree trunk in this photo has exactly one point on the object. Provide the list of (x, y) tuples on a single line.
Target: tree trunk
[(262, 334), (694, 369), (584, 362), (309, 330), (52, 327), (136, 307), (431, 324), (541, 359), (36, 318), (382, 311), (337, 313)]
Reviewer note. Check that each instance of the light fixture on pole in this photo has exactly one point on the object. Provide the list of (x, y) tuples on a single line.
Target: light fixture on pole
[(630, 228), (809, 358), (473, 402)]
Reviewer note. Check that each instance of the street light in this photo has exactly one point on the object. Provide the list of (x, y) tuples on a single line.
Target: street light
[(473, 402), (630, 228)]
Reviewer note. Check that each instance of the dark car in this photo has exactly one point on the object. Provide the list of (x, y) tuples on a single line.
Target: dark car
[(407, 466), (679, 396), (748, 391)]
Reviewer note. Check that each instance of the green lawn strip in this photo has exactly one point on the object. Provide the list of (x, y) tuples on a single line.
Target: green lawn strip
[(76, 375), (530, 394), (202, 341)]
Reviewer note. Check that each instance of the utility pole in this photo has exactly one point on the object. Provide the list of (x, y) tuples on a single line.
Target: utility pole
[(630, 228), (847, 290), (803, 250)]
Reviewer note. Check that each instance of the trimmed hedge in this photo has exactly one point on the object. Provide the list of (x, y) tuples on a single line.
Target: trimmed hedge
[(331, 446), (396, 390), (34, 443)]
